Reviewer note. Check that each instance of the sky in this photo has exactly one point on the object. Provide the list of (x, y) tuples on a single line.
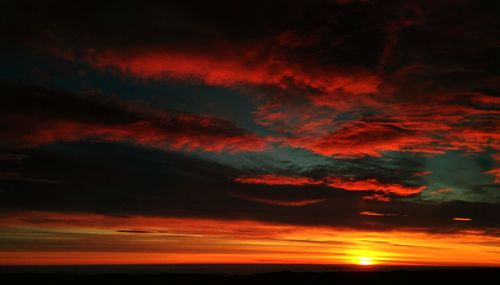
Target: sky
[(319, 132)]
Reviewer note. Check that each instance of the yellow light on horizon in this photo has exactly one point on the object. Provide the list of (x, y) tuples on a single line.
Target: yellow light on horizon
[(365, 260)]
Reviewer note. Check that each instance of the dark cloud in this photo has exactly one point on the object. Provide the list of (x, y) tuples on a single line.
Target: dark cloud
[(115, 179), (36, 116), (344, 183), (284, 203), (127, 24)]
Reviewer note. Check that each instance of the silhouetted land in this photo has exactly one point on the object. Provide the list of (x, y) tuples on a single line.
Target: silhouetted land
[(140, 275)]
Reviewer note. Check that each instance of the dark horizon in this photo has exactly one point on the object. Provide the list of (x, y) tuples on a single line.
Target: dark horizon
[(406, 275), (220, 269)]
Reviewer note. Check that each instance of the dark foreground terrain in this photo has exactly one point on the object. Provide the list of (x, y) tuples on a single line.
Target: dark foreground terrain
[(420, 276)]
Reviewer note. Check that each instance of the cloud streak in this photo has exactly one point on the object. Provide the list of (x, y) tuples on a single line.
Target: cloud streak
[(344, 183), (271, 179), (40, 119), (243, 64), (284, 203)]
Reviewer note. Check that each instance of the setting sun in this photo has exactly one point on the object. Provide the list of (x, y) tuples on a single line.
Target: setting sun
[(363, 260)]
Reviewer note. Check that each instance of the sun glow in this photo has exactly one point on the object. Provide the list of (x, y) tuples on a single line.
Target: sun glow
[(148, 240), (364, 260), (366, 257)]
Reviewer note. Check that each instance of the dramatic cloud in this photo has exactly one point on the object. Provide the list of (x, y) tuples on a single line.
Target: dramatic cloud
[(238, 65), (35, 116), (362, 138), (345, 183), (350, 184), (398, 95)]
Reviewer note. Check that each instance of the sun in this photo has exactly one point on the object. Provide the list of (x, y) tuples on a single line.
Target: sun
[(365, 257), (365, 260)]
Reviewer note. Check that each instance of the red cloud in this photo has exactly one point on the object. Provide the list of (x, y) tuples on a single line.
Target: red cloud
[(188, 132), (476, 138), (431, 124), (450, 121), (377, 197), (496, 156), (406, 115), (496, 173), (36, 116), (356, 139), (375, 214), (271, 179), (350, 184), (422, 121), (441, 191), (261, 62), (422, 173)]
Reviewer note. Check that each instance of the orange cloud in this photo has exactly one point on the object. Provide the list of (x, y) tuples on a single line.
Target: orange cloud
[(462, 219), (375, 214)]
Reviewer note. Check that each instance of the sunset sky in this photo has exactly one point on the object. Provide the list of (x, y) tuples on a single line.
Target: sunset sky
[(306, 132)]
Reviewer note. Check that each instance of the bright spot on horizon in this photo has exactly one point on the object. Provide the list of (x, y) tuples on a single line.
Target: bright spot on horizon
[(364, 260)]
